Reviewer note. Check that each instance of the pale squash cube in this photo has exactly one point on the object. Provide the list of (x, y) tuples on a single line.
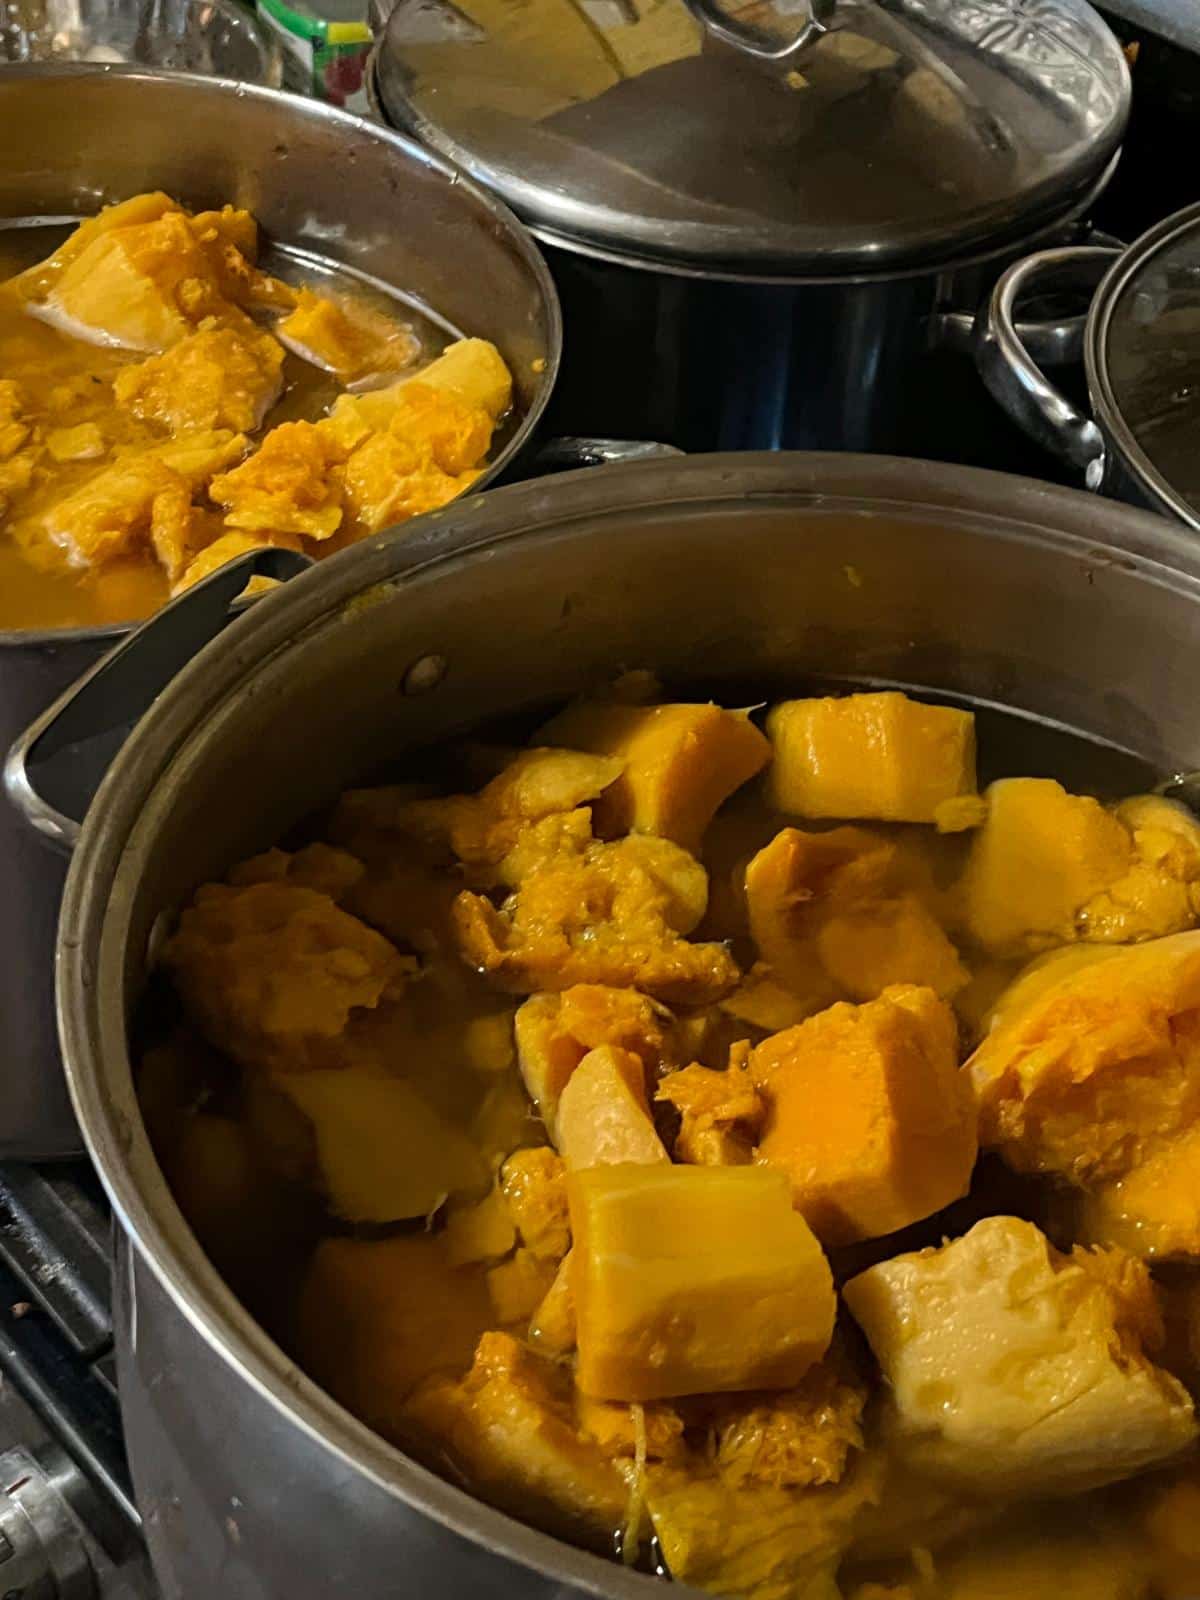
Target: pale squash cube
[(868, 1115), (552, 1326), (881, 756), (384, 1153), (1014, 1370), (681, 763), (533, 1187), (693, 1280), (603, 1117)]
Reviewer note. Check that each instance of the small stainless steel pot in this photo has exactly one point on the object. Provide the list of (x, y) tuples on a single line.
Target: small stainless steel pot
[(731, 573), (1141, 353), (76, 137)]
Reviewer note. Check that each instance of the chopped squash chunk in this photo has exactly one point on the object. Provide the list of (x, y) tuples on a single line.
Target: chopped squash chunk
[(84, 442), (591, 912), (880, 756), (482, 829), (720, 1114), (518, 1286), (480, 1232), (271, 971), (801, 1436), (868, 1115), (755, 1539), (533, 1185), (509, 1426), (1153, 1210), (292, 484), (552, 1327), (471, 371), (349, 339), (1049, 867), (399, 473), (625, 1431), (602, 1113), (317, 866), (831, 919), (1016, 1371), (219, 554), (218, 377), (1098, 1067), (385, 1154), (680, 763), (555, 1031), (691, 1280), (110, 513), (378, 1317)]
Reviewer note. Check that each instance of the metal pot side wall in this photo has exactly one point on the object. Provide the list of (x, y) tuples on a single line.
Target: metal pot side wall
[(728, 574)]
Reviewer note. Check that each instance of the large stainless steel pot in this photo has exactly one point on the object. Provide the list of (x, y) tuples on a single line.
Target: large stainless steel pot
[(773, 235), (726, 573), (73, 138), (1141, 352)]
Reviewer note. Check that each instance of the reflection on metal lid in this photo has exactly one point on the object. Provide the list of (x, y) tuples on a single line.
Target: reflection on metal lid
[(910, 132)]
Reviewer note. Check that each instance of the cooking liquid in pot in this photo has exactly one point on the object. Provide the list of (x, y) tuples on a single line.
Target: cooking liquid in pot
[(38, 589), (292, 1202)]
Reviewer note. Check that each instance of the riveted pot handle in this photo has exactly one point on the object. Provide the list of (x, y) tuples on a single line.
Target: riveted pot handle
[(98, 709), (715, 20), (1013, 377)]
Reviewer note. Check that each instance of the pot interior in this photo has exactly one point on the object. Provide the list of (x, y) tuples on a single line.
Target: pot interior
[(735, 577)]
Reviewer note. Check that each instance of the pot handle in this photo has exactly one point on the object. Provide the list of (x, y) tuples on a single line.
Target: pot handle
[(1053, 343), (123, 684), (743, 36), (1014, 378), (561, 455)]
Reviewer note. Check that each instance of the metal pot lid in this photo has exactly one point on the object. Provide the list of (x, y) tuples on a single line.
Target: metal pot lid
[(1144, 357), (765, 139)]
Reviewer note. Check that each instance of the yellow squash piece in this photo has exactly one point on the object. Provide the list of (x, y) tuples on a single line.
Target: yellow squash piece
[(804, 1436), (291, 485), (470, 370), (431, 450), (693, 1280), (1016, 1371), (587, 911), (1049, 867), (385, 1154), (555, 1031), (681, 762), (518, 1287), (880, 756), (603, 1117), (272, 972), (755, 1539), (1093, 1066), (218, 377), (533, 1186), (351, 340), (720, 1114), (377, 1317), (868, 1115), (482, 829), (509, 1428), (833, 919)]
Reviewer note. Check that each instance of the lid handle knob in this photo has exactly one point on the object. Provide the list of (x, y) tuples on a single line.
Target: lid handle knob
[(720, 24)]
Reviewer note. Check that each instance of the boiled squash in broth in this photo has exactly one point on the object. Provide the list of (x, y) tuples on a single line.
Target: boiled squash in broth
[(166, 404), (748, 1151)]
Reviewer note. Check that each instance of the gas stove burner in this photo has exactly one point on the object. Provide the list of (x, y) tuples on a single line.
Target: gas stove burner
[(69, 1529)]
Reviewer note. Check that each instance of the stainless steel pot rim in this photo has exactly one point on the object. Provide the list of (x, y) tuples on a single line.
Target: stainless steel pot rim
[(94, 925), (359, 127), (1104, 401)]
